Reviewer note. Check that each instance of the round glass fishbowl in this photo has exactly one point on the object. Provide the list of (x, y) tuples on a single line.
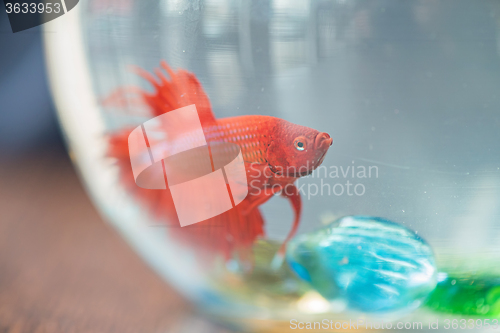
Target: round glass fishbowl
[(397, 223)]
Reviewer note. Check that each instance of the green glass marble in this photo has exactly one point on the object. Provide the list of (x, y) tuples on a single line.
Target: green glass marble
[(467, 295)]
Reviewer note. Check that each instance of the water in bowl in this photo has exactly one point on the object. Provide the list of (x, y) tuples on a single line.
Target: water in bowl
[(407, 90)]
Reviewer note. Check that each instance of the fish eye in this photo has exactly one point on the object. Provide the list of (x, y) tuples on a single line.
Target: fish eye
[(299, 143)]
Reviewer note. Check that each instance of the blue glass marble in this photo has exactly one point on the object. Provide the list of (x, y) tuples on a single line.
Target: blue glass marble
[(373, 264)]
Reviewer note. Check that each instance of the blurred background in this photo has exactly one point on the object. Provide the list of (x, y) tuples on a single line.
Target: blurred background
[(63, 269), (27, 117)]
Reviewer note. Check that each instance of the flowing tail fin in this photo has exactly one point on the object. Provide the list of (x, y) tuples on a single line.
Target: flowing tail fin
[(181, 89), (222, 234)]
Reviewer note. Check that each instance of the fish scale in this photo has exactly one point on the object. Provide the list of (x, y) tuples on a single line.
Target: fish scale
[(243, 131)]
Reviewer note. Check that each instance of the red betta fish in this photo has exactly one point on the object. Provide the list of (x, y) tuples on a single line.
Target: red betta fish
[(276, 153)]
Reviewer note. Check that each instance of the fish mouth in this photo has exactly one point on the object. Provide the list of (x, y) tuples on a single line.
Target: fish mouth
[(323, 141)]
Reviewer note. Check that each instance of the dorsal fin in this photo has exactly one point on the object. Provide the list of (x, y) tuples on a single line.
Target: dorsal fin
[(181, 90)]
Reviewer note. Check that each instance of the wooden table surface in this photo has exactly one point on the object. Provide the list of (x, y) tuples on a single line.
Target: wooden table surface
[(62, 269)]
